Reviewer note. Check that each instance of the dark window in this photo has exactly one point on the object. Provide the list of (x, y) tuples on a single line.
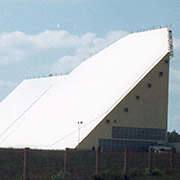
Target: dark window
[(137, 97), (115, 121), (107, 121), (126, 109), (120, 145), (160, 73), (166, 61), (149, 85), (138, 133)]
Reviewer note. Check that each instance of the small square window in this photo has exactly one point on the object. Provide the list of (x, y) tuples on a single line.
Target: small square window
[(149, 85), (160, 73), (115, 121), (126, 109), (107, 121), (137, 97), (166, 61)]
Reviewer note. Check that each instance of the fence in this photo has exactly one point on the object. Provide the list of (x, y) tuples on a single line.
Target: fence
[(80, 164)]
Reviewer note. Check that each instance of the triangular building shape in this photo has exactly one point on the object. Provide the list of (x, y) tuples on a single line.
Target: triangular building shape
[(120, 94)]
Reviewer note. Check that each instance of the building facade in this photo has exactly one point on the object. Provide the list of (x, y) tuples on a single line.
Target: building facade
[(120, 95), (140, 119)]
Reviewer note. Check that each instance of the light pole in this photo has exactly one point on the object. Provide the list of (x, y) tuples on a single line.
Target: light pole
[(79, 122)]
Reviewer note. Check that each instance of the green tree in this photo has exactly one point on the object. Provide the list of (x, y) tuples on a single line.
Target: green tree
[(173, 136)]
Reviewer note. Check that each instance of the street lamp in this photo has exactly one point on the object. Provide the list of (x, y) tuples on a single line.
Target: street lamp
[(79, 122)]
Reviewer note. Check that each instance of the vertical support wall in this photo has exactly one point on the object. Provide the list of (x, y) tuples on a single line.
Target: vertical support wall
[(26, 163), (66, 160), (98, 151), (126, 159), (150, 162)]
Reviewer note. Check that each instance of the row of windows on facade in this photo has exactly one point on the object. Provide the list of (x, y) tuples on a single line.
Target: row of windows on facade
[(120, 145), (138, 133)]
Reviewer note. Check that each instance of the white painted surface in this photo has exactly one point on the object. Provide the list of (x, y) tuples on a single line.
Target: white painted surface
[(41, 112)]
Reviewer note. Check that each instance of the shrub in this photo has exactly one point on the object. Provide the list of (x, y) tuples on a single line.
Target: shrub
[(61, 176), (146, 172), (108, 175), (134, 172), (157, 172)]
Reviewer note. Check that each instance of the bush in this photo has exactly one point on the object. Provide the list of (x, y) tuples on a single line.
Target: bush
[(157, 172), (61, 176), (134, 172), (146, 172), (108, 175)]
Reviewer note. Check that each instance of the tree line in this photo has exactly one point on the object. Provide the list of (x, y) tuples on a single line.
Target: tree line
[(173, 136)]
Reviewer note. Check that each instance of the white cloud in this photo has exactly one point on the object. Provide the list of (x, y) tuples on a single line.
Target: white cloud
[(17, 46), (8, 84), (87, 45), (13, 47), (65, 64)]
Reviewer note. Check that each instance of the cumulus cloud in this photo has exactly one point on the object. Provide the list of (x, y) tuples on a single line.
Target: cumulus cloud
[(17, 46), (13, 46), (8, 84), (86, 45), (65, 64)]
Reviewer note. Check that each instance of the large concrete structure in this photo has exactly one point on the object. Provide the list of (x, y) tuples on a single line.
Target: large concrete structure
[(120, 95), (140, 119)]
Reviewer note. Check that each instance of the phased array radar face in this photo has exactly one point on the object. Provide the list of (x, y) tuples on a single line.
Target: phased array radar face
[(89, 94)]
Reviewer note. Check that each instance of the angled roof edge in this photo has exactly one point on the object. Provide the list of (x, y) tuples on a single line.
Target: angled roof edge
[(106, 66), (132, 87)]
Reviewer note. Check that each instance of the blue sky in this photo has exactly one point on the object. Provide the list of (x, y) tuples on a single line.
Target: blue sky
[(43, 37)]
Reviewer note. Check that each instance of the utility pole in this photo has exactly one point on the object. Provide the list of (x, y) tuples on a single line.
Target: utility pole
[(79, 122)]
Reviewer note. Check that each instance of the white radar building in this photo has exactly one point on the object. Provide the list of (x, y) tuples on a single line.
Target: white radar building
[(114, 99)]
